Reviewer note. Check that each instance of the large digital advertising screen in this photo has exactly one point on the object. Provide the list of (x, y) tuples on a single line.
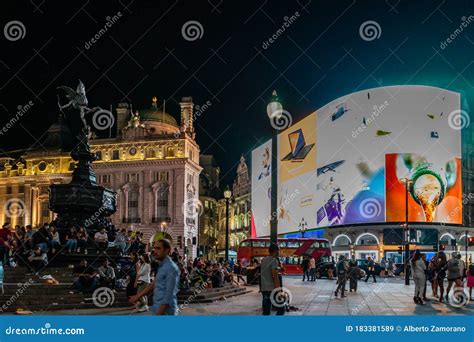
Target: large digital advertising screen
[(353, 160)]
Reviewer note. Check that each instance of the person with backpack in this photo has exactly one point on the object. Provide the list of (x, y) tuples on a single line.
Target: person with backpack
[(433, 278), (342, 267), (370, 269), (354, 273), (454, 273), (441, 267)]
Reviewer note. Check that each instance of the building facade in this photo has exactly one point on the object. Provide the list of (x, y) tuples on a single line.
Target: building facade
[(152, 163), (239, 210), (209, 194)]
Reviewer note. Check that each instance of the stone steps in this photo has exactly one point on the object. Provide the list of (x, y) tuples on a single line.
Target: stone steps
[(38, 296)]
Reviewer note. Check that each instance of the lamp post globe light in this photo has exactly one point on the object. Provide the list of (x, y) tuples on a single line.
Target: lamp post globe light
[(274, 112), (227, 197)]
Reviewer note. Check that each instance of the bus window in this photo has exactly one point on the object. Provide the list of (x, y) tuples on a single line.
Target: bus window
[(324, 244), (282, 244), (267, 243), (294, 244), (245, 244), (315, 245), (258, 244)]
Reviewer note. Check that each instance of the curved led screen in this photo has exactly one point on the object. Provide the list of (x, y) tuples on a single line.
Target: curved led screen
[(352, 161)]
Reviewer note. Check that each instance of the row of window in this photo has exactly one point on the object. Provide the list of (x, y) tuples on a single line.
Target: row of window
[(159, 176), (285, 244), (161, 203), (150, 153)]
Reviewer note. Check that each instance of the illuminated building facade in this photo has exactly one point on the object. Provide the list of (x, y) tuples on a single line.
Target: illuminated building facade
[(152, 162), (239, 210)]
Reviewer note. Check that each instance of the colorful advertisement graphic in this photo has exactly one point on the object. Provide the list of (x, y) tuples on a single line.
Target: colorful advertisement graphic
[(261, 187), (343, 163), (434, 189), (296, 174)]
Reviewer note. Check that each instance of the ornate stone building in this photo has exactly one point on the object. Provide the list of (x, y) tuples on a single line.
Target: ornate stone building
[(239, 210), (151, 162), (209, 194)]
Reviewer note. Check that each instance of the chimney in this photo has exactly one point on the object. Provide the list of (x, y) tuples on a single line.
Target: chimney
[(187, 117), (123, 114)]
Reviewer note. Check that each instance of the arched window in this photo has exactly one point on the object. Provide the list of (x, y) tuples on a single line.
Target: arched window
[(342, 240), (133, 206), (162, 201), (367, 240), (446, 238)]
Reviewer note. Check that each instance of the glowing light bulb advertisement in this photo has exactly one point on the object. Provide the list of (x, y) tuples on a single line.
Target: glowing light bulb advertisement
[(347, 163)]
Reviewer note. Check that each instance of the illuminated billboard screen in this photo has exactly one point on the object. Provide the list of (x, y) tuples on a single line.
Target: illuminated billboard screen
[(347, 163)]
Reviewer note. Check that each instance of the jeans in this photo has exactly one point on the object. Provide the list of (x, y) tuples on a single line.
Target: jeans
[(71, 245), (43, 246), (305, 274), (143, 301), (312, 273), (122, 246), (341, 280), (87, 286), (370, 273), (54, 244), (267, 304)]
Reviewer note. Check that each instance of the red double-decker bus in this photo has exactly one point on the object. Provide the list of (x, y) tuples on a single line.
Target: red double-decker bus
[(292, 251)]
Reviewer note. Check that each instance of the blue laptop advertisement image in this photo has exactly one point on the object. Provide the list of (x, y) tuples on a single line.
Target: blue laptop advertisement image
[(299, 149)]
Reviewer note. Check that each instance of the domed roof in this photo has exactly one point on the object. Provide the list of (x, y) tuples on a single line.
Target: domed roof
[(59, 137), (155, 114)]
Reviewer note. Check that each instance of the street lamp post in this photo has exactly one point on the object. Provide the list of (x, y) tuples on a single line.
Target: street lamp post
[(407, 234), (227, 196), (274, 111)]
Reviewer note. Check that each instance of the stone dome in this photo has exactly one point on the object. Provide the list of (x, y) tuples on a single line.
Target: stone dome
[(157, 115)]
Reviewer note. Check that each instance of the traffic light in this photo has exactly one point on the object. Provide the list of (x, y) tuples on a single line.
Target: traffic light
[(442, 246), (470, 241)]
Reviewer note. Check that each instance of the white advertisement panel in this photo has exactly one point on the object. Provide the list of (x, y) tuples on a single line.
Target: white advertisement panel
[(367, 145)]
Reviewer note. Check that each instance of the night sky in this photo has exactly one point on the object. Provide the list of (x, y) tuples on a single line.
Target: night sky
[(319, 57)]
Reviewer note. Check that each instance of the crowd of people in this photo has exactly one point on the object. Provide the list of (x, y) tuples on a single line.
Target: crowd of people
[(36, 246), (436, 271)]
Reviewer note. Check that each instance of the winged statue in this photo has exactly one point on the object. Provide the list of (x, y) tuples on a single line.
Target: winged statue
[(77, 100)]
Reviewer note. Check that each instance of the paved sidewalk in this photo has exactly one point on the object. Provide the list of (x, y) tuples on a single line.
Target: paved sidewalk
[(389, 296)]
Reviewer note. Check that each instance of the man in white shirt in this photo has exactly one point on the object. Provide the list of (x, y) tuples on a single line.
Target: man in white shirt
[(101, 238), (269, 280)]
